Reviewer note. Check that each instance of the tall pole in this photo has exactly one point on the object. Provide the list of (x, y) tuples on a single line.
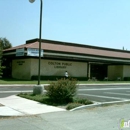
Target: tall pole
[(40, 33), (38, 89)]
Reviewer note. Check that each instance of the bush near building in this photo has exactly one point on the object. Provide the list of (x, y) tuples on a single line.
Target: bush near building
[(62, 91)]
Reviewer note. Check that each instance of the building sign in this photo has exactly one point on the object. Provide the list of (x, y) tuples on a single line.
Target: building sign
[(20, 62), (59, 65), (20, 52), (58, 68), (34, 52)]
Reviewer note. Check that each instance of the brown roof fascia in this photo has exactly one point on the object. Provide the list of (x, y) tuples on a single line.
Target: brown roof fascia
[(13, 48), (31, 42), (82, 54), (73, 48), (18, 47), (73, 44), (81, 50)]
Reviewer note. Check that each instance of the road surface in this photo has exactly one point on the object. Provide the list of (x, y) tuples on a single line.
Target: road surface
[(98, 93)]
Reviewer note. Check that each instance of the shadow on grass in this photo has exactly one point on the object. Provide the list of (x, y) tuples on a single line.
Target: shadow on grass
[(41, 99)]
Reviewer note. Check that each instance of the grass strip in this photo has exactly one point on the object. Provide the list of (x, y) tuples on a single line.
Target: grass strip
[(45, 100), (16, 81)]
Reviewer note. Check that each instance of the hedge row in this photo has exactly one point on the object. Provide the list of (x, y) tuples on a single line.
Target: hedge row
[(126, 78), (56, 78), (59, 77)]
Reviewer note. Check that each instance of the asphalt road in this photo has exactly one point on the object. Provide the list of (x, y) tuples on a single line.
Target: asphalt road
[(98, 93), (7, 90), (105, 93)]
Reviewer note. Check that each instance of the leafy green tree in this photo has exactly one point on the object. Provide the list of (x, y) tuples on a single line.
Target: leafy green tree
[(4, 44), (1, 67)]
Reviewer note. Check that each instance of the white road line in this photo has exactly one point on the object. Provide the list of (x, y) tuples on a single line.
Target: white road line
[(15, 91), (103, 96), (102, 89), (117, 93)]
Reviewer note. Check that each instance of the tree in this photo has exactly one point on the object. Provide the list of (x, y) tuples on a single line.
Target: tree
[(4, 44), (1, 68)]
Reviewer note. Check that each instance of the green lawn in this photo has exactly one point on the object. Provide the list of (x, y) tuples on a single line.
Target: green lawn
[(102, 82), (16, 81), (45, 100)]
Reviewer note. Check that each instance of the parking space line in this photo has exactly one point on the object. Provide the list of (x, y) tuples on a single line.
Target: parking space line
[(117, 93), (103, 96), (102, 89)]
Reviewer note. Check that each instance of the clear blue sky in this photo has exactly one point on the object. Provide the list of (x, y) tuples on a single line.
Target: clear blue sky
[(104, 23)]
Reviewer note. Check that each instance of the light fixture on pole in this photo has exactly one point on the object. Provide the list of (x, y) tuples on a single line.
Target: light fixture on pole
[(40, 32), (38, 89), (31, 1)]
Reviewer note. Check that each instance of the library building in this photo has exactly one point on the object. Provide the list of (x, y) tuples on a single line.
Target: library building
[(83, 62)]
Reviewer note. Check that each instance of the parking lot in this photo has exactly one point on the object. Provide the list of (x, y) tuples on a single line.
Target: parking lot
[(104, 93)]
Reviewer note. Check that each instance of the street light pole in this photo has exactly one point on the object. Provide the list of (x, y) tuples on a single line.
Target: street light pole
[(40, 33)]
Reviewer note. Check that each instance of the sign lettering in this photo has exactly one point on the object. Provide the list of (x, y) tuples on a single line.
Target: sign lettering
[(60, 65)]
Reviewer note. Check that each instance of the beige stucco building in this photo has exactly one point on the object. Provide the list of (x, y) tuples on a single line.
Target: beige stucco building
[(26, 68), (81, 61)]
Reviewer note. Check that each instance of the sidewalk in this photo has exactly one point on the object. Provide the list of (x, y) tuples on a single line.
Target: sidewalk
[(99, 118), (17, 106)]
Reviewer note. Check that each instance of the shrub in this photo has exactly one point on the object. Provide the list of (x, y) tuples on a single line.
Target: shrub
[(126, 78), (73, 105), (35, 77), (62, 91), (82, 101), (78, 102)]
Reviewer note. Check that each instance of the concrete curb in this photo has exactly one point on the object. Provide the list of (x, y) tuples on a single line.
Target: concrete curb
[(108, 84), (100, 105)]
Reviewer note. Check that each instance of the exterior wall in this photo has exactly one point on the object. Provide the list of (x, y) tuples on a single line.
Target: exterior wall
[(115, 71), (21, 68), (58, 68), (25, 68), (126, 71)]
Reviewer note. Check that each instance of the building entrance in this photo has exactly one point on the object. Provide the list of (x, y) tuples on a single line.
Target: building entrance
[(99, 71)]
